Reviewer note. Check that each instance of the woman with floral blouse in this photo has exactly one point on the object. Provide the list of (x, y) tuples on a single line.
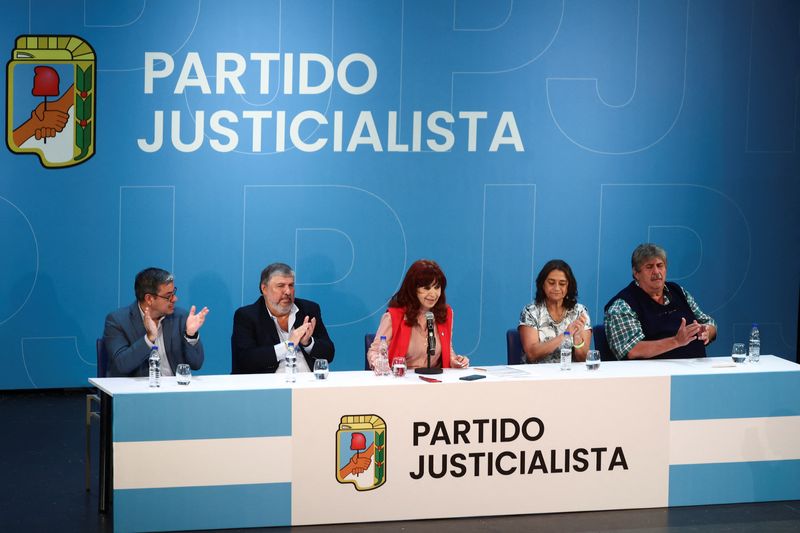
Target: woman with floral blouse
[(554, 310)]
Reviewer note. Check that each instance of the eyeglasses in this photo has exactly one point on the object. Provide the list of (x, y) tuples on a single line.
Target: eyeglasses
[(168, 297)]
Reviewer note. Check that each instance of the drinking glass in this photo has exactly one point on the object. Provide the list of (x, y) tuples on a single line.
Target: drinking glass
[(321, 369), (399, 367), (183, 374), (738, 353), (592, 360)]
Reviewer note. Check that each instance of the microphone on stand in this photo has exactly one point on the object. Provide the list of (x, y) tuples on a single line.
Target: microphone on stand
[(431, 347), (431, 337)]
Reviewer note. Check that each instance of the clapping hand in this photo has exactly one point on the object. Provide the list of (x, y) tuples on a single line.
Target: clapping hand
[(306, 340), (577, 325), (150, 325), (302, 333), (195, 321)]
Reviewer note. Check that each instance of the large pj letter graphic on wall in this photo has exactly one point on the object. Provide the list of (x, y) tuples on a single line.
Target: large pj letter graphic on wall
[(361, 451), (50, 99)]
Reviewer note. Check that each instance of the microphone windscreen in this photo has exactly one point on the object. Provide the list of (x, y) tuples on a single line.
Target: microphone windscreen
[(428, 316)]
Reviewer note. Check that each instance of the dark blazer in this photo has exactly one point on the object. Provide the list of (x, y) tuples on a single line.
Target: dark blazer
[(255, 335), (128, 352)]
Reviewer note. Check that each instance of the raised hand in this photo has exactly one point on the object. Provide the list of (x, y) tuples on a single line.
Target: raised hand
[(577, 325), (705, 333), (309, 332), (299, 333), (687, 332), (195, 321), (150, 325)]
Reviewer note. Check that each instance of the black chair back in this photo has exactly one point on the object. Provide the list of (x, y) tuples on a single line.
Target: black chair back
[(102, 359), (368, 338), (513, 347), (601, 343)]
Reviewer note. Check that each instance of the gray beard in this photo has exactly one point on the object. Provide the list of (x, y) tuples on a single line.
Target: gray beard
[(283, 310)]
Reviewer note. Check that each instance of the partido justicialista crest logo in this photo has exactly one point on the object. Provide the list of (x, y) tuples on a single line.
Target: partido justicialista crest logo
[(361, 451), (50, 99)]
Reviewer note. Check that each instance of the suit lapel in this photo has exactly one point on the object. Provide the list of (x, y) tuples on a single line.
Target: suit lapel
[(137, 323), (137, 326), (271, 329), (298, 318)]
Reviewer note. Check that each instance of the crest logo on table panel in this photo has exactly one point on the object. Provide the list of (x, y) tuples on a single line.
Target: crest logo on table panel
[(50, 99), (361, 451)]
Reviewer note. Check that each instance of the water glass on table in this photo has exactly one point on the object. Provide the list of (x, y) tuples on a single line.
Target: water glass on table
[(738, 353), (592, 360), (183, 374), (399, 367), (321, 369)]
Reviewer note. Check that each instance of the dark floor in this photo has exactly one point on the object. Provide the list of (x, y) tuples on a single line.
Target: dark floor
[(42, 466)]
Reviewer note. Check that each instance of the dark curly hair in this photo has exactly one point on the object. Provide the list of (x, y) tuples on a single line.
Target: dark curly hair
[(422, 273), (572, 286)]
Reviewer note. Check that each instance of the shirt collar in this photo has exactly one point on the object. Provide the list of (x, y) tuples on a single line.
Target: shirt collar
[(666, 290)]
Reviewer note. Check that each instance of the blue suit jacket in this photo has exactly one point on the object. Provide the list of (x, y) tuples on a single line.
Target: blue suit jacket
[(128, 352)]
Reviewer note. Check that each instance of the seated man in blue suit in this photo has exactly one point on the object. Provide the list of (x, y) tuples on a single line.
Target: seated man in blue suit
[(262, 329), (153, 320)]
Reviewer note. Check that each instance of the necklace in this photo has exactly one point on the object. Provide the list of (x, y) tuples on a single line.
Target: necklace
[(558, 317)]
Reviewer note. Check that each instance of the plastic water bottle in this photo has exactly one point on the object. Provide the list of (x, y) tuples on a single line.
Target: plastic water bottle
[(566, 352), (155, 367), (754, 348), (291, 363), (382, 364)]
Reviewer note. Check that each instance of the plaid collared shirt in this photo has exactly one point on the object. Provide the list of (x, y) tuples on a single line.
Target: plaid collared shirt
[(624, 331)]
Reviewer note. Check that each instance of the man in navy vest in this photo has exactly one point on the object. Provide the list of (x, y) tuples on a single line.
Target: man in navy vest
[(653, 318)]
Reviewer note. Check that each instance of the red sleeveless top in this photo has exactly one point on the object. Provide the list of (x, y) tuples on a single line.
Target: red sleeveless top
[(401, 334)]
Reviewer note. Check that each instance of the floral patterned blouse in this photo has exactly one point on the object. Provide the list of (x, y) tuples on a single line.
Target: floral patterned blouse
[(537, 316)]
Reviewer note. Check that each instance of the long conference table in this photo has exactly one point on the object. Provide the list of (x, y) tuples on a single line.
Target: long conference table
[(253, 451)]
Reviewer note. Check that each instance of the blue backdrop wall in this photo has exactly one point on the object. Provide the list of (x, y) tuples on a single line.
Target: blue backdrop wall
[(350, 138)]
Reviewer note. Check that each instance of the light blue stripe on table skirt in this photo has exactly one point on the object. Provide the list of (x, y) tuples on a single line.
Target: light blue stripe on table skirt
[(217, 507), (202, 415), (757, 481), (735, 396)]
